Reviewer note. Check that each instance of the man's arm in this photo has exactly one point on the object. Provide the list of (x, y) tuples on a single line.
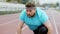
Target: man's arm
[(19, 27), (48, 25)]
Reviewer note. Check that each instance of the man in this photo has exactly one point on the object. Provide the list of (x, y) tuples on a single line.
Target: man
[(35, 18)]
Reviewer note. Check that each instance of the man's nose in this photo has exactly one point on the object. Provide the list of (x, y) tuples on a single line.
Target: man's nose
[(28, 12)]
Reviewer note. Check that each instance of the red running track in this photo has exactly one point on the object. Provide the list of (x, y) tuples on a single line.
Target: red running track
[(8, 23)]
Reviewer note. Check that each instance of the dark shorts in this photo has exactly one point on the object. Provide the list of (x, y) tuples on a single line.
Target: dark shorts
[(41, 30)]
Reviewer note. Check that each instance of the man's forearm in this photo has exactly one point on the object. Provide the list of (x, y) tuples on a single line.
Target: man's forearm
[(49, 26), (19, 31), (50, 31)]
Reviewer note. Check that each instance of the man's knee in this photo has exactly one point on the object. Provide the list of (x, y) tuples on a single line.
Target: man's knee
[(43, 30)]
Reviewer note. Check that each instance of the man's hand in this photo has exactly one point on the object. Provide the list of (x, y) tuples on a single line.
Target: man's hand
[(19, 27)]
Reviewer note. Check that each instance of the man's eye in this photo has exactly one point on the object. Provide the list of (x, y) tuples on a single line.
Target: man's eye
[(30, 10)]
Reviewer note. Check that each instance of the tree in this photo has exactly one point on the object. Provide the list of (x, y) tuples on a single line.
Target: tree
[(8, 0), (57, 4), (22, 1), (19, 1)]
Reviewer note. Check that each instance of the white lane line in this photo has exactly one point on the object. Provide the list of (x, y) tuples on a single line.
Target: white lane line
[(13, 22), (9, 22), (54, 22)]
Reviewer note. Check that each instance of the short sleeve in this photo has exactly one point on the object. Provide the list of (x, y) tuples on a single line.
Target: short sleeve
[(44, 17), (22, 15)]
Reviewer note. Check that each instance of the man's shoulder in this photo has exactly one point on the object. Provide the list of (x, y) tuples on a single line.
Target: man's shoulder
[(39, 10), (23, 11)]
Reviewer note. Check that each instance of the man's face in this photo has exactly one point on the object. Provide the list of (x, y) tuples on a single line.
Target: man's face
[(30, 11)]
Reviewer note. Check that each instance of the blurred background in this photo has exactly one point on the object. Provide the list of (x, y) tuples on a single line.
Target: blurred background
[(18, 5), (11, 9)]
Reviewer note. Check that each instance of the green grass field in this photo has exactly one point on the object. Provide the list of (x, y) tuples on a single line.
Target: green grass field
[(58, 10), (8, 12)]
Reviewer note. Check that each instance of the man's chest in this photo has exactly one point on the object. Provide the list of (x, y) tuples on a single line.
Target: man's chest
[(32, 21)]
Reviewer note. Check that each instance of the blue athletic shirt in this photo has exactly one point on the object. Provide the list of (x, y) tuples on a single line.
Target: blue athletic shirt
[(34, 22)]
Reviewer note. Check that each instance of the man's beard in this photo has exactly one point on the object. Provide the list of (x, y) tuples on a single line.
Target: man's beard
[(31, 16)]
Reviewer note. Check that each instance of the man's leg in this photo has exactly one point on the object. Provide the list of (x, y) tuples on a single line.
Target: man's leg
[(35, 32), (43, 29)]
